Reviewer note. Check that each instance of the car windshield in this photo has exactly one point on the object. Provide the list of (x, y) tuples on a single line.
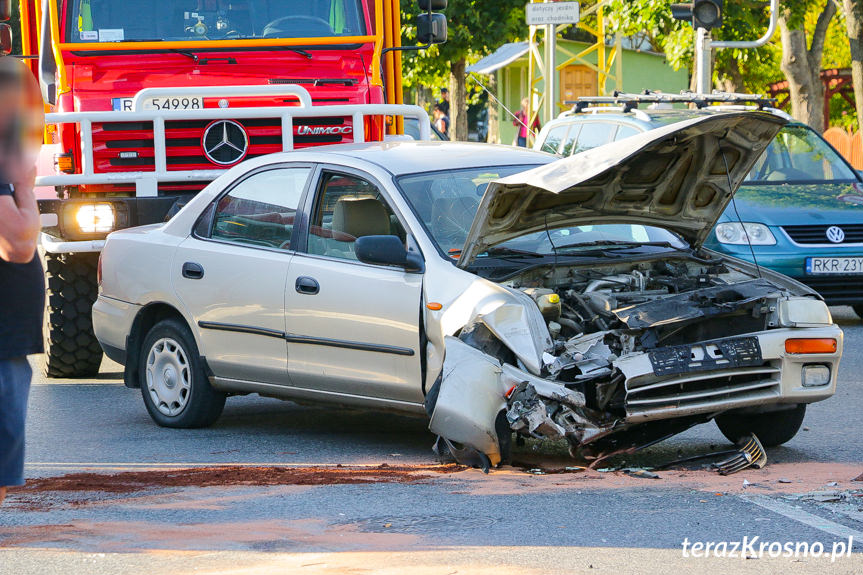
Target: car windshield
[(798, 154), (446, 202), (155, 20)]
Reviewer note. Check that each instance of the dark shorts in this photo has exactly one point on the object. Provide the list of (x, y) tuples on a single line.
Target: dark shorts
[(14, 389), (522, 141)]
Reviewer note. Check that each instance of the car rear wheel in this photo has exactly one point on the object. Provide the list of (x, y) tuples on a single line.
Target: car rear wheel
[(175, 388), (772, 428)]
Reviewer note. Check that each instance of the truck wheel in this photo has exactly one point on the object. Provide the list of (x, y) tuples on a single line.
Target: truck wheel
[(71, 347), (858, 309), (174, 385), (772, 428)]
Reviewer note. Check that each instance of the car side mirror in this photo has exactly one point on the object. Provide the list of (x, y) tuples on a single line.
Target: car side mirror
[(387, 251)]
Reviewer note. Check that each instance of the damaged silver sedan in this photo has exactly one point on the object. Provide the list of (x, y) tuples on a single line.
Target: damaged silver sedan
[(499, 290)]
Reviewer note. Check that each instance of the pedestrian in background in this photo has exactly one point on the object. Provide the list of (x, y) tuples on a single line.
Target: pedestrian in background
[(441, 120), (22, 287), (521, 120), (444, 101)]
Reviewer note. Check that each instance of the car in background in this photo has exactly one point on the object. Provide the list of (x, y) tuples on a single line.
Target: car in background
[(799, 212), (477, 285)]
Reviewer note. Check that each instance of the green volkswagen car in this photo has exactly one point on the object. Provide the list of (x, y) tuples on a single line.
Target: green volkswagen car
[(799, 212)]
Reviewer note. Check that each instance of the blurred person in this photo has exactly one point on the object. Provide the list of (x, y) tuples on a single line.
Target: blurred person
[(22, 287), (521, 120), (444, 101), (441, 120)]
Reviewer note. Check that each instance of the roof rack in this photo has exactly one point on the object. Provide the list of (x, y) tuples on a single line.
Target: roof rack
[(630, 101)]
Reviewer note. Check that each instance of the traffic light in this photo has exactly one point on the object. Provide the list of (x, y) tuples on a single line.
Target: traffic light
[(701, 13), (431, 27), (5, 29)]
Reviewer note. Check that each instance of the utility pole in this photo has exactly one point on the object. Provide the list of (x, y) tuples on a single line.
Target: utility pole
[(704, 16)]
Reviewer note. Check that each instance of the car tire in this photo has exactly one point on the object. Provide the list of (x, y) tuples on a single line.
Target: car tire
[(174, 385), (858, 309), (71, 347), (772, 428)]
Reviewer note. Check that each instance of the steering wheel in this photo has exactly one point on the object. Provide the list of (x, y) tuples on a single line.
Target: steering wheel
[(298, 26)]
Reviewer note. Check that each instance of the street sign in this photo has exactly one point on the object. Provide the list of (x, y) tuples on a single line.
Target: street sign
[(552, 13)]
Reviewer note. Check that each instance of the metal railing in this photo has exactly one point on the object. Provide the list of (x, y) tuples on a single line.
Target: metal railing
[(147, 182)]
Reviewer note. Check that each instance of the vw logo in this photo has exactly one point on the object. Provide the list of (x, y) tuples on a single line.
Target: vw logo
[(835, 234), (225, 142)]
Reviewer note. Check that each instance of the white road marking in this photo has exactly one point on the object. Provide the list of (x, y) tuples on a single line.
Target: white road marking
[(797, 514)]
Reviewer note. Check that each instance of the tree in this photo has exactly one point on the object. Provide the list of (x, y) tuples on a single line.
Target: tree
[(801, 64), (476, 28), (854, 25)]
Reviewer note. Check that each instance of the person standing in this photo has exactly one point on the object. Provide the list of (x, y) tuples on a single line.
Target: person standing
[(521, 120), (441, 120), (444, 102), (22, 286)]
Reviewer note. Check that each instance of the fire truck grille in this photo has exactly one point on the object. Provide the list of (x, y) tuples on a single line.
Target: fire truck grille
[(125, 146)]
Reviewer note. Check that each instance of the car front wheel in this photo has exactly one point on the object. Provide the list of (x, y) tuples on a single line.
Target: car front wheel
[(175, 388), (772, 428)]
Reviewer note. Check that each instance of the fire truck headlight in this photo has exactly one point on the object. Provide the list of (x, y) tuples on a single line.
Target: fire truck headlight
[(95, 218)]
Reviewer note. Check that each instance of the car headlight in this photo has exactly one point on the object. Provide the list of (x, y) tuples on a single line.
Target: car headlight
[(95, 218), (735, 233)]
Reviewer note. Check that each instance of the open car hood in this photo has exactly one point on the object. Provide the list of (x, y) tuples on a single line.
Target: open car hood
[(673, 177)]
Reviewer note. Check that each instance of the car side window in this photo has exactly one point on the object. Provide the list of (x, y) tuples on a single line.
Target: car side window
[(260, 210), (624, 132), (348, 207), (553, 138), (592, 135), (571, 137)]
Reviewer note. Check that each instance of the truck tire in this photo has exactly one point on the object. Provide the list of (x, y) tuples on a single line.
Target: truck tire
[(71, 347), (772, 428), (174, 385)]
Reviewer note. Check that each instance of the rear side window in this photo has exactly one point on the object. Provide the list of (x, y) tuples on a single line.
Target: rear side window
[(624, 132), (593, 134), (260, 210), (553, 139)]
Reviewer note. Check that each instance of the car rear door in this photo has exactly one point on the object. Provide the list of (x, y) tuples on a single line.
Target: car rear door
[(230, 274), (352, 328)]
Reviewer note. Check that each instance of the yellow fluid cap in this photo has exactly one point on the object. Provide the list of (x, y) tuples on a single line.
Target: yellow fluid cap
[(553, 298)]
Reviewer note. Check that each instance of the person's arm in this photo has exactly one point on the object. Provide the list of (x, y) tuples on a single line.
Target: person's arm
[(19, 221)]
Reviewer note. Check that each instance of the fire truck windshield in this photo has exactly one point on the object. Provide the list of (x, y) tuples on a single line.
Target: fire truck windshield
[(183, 20)]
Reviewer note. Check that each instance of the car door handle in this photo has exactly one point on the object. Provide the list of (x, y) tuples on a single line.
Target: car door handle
[(193, 271), (307, 285)]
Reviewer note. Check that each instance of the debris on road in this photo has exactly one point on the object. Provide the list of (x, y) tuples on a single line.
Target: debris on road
[(643, 473), (751, 454)]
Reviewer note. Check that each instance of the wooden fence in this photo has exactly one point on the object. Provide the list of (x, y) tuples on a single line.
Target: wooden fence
[(849, 145)]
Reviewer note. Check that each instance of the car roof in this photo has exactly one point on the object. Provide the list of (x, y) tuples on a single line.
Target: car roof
[(400, 158)]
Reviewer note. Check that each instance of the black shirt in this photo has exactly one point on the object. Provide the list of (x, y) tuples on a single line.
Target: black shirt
[(444, 107), (22, 299)]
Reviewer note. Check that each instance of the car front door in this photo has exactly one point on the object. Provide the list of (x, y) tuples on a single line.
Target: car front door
[(352, 328), (231, 272)]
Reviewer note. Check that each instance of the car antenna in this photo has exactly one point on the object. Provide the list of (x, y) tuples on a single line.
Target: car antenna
[(734, 205), (501, 104)]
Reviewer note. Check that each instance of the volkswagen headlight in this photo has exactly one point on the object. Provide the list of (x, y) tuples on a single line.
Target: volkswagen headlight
[(736, 233)]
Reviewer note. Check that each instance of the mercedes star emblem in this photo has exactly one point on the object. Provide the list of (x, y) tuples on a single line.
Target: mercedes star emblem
[(835, 234), (225, 142)]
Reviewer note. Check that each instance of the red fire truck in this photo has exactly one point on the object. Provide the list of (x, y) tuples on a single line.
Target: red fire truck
[(149, 100)]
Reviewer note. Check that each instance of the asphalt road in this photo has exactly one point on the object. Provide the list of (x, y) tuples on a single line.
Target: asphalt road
[(426, 520)]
